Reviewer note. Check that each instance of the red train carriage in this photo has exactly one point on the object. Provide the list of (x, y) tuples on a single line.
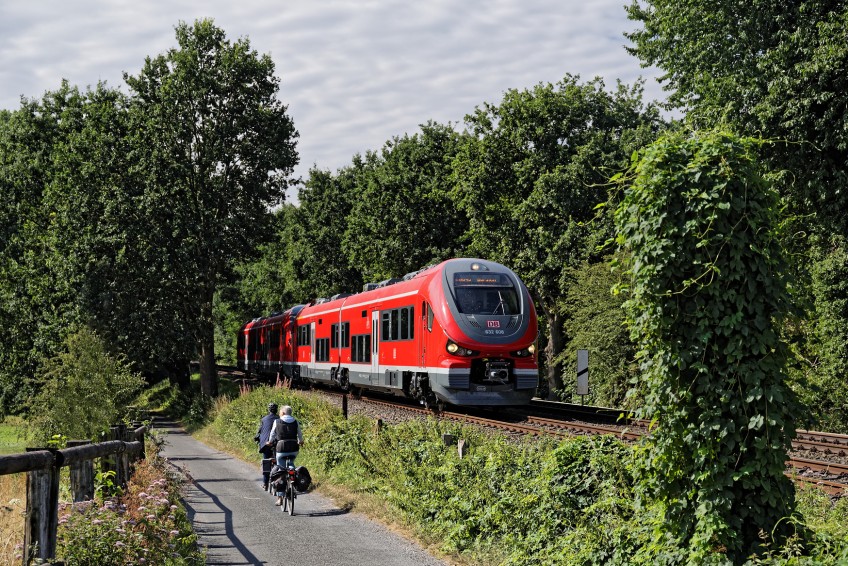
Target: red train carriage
[(461, 332), (264, 345)]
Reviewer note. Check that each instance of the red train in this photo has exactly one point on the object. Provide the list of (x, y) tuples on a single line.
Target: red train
[(462, 332)]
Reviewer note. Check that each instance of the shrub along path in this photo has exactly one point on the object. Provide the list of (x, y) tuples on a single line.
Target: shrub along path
[(239, 524)]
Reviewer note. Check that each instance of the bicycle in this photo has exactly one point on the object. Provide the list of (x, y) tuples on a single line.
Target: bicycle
[(290, 492)]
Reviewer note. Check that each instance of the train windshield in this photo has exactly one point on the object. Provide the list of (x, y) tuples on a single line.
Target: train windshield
[(485, 293)]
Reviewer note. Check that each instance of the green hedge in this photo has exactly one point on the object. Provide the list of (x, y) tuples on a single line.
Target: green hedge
[(525, 502)]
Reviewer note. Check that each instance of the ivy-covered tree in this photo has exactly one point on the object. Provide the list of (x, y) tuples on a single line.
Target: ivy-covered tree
[(533, 171), (215, 147), (709, 289), (777, 69)]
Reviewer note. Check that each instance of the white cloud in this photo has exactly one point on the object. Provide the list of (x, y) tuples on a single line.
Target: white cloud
[(353, 74)]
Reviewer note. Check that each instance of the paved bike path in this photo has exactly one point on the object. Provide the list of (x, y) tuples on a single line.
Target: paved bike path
[(238, 522)]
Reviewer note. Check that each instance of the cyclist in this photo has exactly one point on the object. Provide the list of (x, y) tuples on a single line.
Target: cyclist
[(288, 437), (262, 437)]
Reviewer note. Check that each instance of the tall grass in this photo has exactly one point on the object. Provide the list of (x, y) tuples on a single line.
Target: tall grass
[(12, 435), (12, 515)]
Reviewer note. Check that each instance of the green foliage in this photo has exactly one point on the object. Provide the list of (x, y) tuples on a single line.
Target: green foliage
[(235, 422), (534, 168), (216, 148), (31, 319), (594, 321), (13, 431), (405, 218), (709, 292), (85, 391), (823, 389), (506, 502), (777, 68), (105, 486)]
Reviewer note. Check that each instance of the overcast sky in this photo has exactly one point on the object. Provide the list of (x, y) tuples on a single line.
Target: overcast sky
[(353, 74)]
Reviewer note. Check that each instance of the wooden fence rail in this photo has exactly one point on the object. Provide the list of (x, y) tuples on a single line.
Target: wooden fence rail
[(42, 466)]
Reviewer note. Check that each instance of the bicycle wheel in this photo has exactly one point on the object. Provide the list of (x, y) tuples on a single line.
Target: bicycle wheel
[(290, 495)]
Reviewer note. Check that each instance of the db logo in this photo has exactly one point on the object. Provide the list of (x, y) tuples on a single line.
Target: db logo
[(493, 324)]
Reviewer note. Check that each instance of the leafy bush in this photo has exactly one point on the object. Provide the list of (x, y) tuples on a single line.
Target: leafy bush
[(86, 391), (594, 321)]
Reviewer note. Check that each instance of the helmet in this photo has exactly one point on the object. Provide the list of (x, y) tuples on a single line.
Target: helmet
[(272, 407)]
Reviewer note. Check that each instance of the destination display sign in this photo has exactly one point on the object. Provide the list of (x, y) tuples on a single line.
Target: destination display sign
[(472, 279)]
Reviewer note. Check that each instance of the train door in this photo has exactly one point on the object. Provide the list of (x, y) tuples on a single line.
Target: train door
[(312, 349), (422, 334), (375, 348)]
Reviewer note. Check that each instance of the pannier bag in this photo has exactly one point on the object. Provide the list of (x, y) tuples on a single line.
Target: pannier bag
[(277, 473), (302, 479)]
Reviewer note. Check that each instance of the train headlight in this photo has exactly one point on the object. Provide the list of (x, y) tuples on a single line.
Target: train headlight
[(523, 353), (532, 348), (457, 350)]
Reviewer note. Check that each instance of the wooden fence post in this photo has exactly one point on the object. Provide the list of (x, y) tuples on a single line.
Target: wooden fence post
[(110, 463), (82, 475), (139, 430), (42, 510), (119, 432), (344, 405)]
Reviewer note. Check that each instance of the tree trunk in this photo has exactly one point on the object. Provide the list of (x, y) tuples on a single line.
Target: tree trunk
[(208, 372), (552, 350)]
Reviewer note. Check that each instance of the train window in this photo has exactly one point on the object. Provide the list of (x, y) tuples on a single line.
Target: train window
[(405, 326), (252, 343), (303, 336), (361, 349), (487, 300), (322, 350), (340, 335), (398, 324), (429, 318), (395, 325), (386, 332)]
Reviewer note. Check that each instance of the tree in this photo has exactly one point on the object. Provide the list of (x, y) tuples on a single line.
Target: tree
[(709, 289), (594, 321), (531, 175), (405, 218), (33, 316), (215, 147), (317, 261), (771, 67)]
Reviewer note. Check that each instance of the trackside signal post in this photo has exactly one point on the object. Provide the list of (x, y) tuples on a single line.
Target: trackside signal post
[(582, 375)]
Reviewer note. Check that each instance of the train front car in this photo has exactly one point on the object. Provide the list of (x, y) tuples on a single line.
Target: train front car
[(486, 355)]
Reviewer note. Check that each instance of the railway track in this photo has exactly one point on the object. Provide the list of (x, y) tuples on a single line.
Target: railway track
[(830, 477), (825, 442)]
